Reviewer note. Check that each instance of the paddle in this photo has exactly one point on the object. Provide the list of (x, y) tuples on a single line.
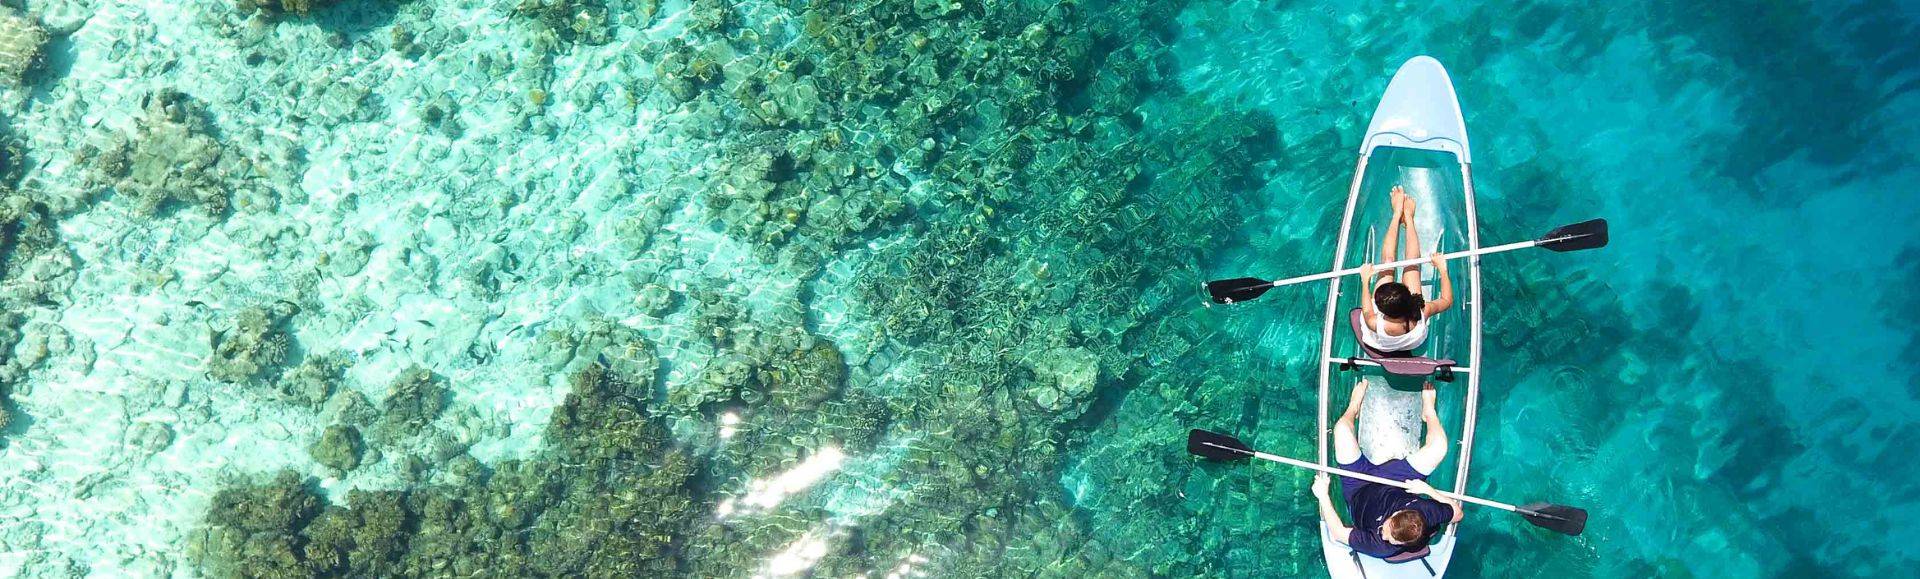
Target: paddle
[(1216, 446), (1588, 234)]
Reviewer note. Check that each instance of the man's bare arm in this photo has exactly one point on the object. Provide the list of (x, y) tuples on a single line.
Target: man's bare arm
[(1420, 487), (1335, 527)]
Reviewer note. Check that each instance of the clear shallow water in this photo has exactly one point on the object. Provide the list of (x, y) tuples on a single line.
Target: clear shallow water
[(980, 356)]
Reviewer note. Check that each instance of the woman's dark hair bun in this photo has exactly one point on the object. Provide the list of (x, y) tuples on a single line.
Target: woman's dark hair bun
[(1394, 300)]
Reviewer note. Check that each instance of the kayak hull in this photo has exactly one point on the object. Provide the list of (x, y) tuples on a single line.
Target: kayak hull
[(1417, 139), (1419, 110)]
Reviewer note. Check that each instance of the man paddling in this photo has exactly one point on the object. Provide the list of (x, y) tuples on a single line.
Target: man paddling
[(1388, 521)]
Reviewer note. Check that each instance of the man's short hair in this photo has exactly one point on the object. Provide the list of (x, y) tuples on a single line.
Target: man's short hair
[(1405, 527)]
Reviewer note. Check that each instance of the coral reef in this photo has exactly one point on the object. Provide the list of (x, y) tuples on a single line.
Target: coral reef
[(34, 265), (364, 539), (636, 500), (255, 344), (169, 157), (313, 381), (768, 195), (1035, 177), (581, 21), (349, 406), (176, 155), (10, 153), (414, 400), (35, 269), (621, 349), (22, 44), (279, 7), (1026, 287), (1064, 378), (609, 496), (783, 369), (339, 448), (254, 530)]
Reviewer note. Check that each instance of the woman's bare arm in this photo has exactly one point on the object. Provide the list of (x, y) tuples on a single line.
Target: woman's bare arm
[(1366, 293), (1446, 287)]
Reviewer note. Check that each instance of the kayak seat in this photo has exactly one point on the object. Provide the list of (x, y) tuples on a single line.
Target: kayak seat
[(1410, 555), (1401, 363), (1419, 555)]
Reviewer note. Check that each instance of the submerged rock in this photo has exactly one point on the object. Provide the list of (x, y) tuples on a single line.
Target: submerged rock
[(170, 157), (150, 437), (22, 43)]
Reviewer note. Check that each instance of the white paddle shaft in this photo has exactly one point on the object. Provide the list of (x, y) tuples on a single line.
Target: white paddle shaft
[(1407, 262), (1372, 479)]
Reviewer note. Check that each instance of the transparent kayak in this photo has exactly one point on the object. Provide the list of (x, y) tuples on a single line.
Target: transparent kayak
[(1418, 140)]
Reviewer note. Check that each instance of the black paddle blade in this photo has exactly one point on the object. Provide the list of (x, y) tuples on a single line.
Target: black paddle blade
[(1558, 518), (1227, 291), (1216, 446), (1588, 234)]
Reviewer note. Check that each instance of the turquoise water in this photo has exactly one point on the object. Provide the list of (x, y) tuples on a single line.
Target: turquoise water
[(1710, 384), (638, 288)]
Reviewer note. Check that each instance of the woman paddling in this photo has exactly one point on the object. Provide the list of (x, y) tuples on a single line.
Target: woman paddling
[(1395, 313)]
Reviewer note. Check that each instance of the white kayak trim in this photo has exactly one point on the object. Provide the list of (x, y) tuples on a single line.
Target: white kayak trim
[(1473, 340), (1333, 303), (1419, 110)]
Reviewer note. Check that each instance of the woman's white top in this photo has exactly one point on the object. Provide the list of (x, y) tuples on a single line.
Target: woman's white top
[(1374, 337)]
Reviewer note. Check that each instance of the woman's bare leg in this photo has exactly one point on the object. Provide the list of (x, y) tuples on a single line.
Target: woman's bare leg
[(1346, 443), (1390, 244), (1411, 250)]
